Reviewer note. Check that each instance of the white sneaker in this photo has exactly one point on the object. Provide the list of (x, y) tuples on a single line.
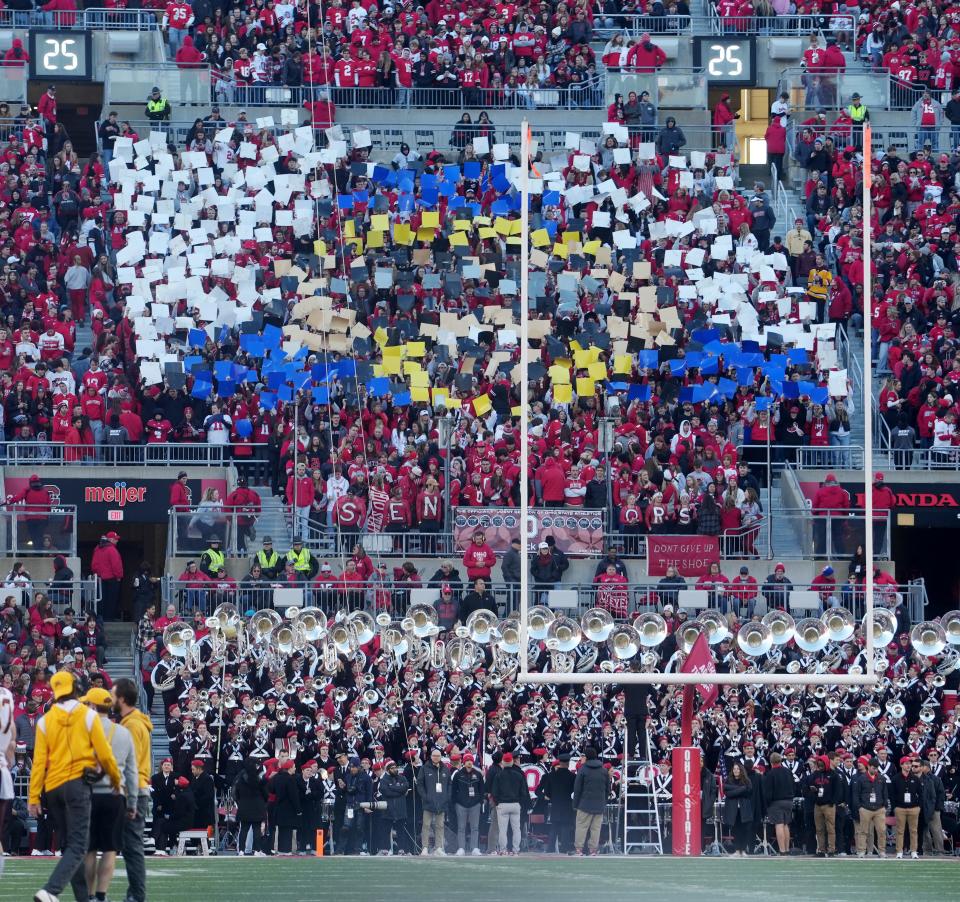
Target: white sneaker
[(37, 853), (476, 852), (259, 854), (460, 852), (440, 853), (899, 855), (914, 855), (162, 853), (424, 851), (241, 854), (41, 895)]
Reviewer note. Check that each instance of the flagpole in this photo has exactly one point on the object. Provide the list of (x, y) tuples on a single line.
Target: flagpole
[(524, 390)]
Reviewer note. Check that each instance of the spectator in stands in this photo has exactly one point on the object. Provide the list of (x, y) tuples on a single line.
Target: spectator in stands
[(107, 564), (776, 588)]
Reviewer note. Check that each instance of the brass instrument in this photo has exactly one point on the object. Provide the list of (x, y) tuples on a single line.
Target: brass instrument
[(480, 626), (423, 619), (597, 625), (811, 635), (755, 639), (539, 619), (839, 623), (782, 626), (652, 629), (928, 638)]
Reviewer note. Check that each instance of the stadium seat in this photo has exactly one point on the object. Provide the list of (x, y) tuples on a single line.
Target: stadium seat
[(692, 600)]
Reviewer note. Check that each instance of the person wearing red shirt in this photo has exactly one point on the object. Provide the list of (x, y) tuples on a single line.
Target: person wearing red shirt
[(716, 584), (551, 482), (724, 118), (743, 591), (349, 514), (180, 497), (158, 430), (479, 558), (776, 138), (37, 501), (177, 19), (299, 495), (612, 594), (645, 56), (345, 72), (244, 503), (188, 57), (16, 55), (825, 585), (884, 500), (107, 564)]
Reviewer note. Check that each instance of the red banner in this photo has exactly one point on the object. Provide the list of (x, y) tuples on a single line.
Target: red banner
[(691, 555), (576, 531), (686, 801), (700, 660)]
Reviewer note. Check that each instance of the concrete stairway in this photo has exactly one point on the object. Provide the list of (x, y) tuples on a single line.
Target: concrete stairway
[(273, 521)]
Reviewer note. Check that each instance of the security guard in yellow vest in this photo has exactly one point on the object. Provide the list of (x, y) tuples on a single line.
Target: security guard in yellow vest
[(158, 107), (303, 561), (213, 558), (857, 111), (270, 562)]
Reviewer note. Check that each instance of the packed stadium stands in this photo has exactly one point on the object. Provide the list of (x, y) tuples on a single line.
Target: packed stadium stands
[(261, 361)]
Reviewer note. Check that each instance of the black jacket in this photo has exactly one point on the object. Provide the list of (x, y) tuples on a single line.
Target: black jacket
[(393, 790), (557, 788), (591, 787), (287, 809), (777, 785), (544, 569), (251, 798), (467, 787), (906, 792), (184, 809), (739, 799), (867, 793), (203, 793), (933, 795), (510, 785), (823, 788)]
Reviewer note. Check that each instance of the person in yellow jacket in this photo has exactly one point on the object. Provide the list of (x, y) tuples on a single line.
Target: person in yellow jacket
[(126, 695), (70, 753)]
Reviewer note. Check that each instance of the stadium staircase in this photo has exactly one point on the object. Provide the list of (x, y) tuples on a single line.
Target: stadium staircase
[(274, 521)]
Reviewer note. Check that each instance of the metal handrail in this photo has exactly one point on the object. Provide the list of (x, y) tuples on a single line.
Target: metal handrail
[(805, 457), (642, 595), (917, 458), (93, 19), (634, 24), (152, 455), (83, 595), (792, 24)]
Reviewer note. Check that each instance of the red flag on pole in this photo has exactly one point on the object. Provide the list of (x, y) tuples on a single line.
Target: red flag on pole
[(701, 661)]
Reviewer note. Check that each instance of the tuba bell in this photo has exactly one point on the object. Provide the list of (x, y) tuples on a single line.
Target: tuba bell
[(363, 626), (928, 638), (480, 625), (688, 634), (314, 623), (624, 642), (424, 620), (951, 626), (539, 619), (715, 624), (811, 635), (262, 624), (782, 626), (839, 623), (884, 626), (755, 639), (597, 625), (177, 638), (652, 629), (566, 633), (896, 708), (509, 641)]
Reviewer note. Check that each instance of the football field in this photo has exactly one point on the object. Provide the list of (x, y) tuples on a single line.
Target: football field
[(536, 878)]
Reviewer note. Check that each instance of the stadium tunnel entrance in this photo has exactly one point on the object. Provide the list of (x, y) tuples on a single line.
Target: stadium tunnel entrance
[(138, 542), (78, 106), (929, 554)]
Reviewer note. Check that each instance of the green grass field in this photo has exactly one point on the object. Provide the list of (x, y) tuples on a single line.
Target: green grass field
[(537, 878)]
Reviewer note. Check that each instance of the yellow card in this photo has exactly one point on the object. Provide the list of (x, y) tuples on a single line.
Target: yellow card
[(416, 348), (380, 222), (585, 386), (540, 238), (349, 229), (623, 364), (597, 371), (459, 239), (431, 219), (559, 375), (563, 394), (481, 404), (392, 366), (419, 393), (375, 239), (402, 233)]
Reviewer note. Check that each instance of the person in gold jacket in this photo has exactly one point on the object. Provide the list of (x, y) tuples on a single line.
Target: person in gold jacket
[(70, 753)]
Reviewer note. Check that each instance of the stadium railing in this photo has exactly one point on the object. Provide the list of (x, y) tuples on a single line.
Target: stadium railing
[(784, 26), (83, 595), (637, 596), (839, 457), (55, 454), (605, 25), (93, 18), (189, 531), (832, 88), (919, 458), (30, 530)]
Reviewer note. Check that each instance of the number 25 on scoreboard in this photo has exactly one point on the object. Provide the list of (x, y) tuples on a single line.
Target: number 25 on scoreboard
[(725, 61), (59, 55)]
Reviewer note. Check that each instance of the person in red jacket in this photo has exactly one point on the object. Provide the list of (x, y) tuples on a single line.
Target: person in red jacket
[(188, 57), (299, 495), (743, 591), (245, 504), (16, 55), (776, 138), (47, 110), (883, 500), (107, 564), (724, 130), (552, 483), (645, 56), (825, 584), (37, 502), (830, 501), (349, 515), (479, 557), (180, 497)]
